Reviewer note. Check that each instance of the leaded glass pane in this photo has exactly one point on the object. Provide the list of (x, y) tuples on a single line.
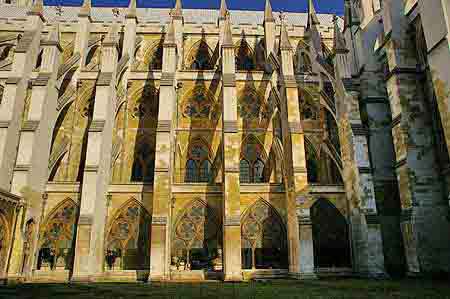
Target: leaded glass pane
[(244, 171)]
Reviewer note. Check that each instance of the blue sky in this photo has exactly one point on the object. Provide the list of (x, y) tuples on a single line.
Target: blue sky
[(323, 6)]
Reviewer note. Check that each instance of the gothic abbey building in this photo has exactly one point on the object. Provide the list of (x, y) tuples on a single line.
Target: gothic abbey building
[(181, 144)]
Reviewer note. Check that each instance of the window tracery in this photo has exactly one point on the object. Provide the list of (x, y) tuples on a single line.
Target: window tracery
[(244, 57), (196, 240), (200, 57), (252, 107), (55, 250), (199, 106), (128, 241), (144, 164), (198, 165), (264, 239), (252, 167)]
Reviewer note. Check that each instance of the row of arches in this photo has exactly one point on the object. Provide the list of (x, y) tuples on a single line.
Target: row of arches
[(196, 240), (201, 57)]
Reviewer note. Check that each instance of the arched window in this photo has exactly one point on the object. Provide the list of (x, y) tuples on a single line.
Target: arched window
[(312, 166), (252, 167), (200, 57), (128, 240), (191, 171), (244, 170), (330, 235), (144, 164), (198, 166), (196, 239), (258, 171), (205, 169), (55, 245), (263, 239), (244, 58)]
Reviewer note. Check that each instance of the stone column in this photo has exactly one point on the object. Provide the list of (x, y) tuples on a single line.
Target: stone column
[(89, 251), (433, 15), (162, 192), (306, 244), (31, 170), (25, 56), (424, 209), (368, 258), (297, 181), (231, 139)]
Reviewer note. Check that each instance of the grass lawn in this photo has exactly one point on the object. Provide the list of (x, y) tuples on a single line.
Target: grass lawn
[(277, 289)]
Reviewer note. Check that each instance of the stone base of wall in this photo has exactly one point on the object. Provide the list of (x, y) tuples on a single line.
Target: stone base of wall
[(256, 274)]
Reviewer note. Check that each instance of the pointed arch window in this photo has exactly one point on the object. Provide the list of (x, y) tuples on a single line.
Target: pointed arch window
[(198, 165), (55, 245), (312, 166), (245, 60), (128, 239), (263, 238), (196, 239), (144, 164), (252, 166), (200, 58)]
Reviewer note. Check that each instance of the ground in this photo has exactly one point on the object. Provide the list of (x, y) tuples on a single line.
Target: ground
[(278, 289)]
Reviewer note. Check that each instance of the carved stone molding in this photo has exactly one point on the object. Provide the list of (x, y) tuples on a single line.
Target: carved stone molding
[(4, 124), (42, 79), (22, 167), (232, 221), (304, 220), (91, 168), (299, 169), (167, 79), (85, 220), (104, 79), (289, 81), (229, 80), (231, 169), (359, 130), (164, 126), (13, 80), (295, 127), (161, 169), (230, 126), (30, 125), (97, 126), (159, 220)]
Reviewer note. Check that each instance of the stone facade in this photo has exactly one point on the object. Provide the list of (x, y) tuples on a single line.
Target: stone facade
[(156, 144)]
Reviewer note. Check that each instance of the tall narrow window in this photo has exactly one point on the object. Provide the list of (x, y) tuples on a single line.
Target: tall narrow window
[(244, 171), (205, 169), (191, 171)]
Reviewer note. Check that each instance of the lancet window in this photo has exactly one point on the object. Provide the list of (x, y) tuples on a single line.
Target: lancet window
[(198, 165), (144, 164), (128, 240), (196, 239), (200, 57), (264, 240), (56, 243), (252, 166)]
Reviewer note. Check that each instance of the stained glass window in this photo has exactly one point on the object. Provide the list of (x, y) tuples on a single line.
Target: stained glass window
[(264, 240), (252, 167), (191, 171), (128, 241), (57, 235), (196, 242)]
